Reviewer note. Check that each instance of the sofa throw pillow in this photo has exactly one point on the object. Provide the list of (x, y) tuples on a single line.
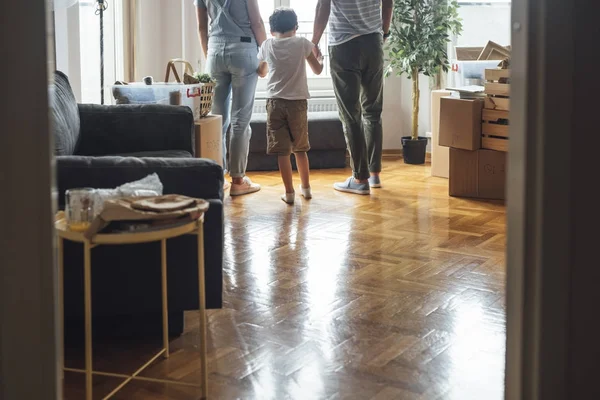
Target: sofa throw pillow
[(64, 116)]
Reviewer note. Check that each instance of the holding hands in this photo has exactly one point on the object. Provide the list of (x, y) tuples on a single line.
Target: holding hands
[(317, 53)]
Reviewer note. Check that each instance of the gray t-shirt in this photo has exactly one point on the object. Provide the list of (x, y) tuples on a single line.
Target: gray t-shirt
[(286, 58), (228, 18), (353, 18)]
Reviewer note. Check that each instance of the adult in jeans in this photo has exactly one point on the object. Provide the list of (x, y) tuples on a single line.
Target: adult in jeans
[(356, 60), (230, 44)]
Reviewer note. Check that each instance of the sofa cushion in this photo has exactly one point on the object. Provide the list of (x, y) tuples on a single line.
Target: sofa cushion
[(159, 154), (64, 115), (325, 132), (319, 159), (194, 177)]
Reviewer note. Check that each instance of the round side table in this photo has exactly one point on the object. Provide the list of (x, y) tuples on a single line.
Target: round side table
[(160, 235)]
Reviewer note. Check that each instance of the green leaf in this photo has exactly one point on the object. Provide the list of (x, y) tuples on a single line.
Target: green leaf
[(421, 32)]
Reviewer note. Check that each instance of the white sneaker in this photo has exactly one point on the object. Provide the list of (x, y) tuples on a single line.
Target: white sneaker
[(246, 187), (306, 192), (288, 197)]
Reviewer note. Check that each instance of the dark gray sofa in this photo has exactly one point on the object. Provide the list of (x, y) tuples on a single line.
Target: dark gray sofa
[(328, 145), (107, 146)]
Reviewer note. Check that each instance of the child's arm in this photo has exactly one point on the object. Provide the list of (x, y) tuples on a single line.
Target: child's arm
[(263, 68), (316, 64)]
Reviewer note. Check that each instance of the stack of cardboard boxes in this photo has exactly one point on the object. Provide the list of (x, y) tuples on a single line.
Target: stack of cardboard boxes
[(477, 149)]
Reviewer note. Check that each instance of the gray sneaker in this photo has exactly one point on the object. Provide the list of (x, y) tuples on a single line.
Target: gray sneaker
[(375, 181), (350, 186)]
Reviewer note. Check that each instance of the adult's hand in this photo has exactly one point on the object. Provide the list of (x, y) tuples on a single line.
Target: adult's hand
[(317, 52), (387, 11)]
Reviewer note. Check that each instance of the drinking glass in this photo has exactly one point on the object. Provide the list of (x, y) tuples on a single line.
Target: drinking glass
[(79, 208)]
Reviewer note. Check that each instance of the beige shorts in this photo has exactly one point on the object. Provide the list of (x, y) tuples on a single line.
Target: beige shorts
[(287, 126)]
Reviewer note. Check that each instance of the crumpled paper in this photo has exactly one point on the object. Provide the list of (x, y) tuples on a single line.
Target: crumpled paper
[(148, 186)]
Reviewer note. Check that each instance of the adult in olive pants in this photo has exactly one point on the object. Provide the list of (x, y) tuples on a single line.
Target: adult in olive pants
[(357, 73)]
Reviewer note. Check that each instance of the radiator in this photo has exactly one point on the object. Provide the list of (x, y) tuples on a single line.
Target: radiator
[(314, 105)]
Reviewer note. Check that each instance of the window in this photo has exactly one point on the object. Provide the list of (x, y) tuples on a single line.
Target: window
[(89, 34), (306, 14), (320, 85), (266, 9), (484, 20)]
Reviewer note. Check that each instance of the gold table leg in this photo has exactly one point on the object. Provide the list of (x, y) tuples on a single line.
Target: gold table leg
[(87, 277), (165, 308), (202, 294), (61, 303)]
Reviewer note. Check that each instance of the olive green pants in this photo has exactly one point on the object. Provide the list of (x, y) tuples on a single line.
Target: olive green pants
[(357, 74)]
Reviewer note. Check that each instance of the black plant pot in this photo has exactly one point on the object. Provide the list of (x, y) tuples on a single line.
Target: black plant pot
[(414, 150)]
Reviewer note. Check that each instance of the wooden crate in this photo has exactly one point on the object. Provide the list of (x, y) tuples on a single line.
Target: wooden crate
[(497, 82), (497, 74), (494, 130), (497, 103)]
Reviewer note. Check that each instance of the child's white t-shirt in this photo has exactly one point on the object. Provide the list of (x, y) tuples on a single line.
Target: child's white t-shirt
[(286, 58)]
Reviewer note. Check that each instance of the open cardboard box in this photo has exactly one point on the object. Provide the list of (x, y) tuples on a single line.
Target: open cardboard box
[(491, 51), (494, 51)]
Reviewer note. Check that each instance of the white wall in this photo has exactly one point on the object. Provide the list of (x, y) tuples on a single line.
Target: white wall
[(480, 24), (68, 55), (397, 110), (166, 29), (392, 113)]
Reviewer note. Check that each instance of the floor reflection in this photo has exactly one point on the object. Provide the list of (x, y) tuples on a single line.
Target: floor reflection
[(397, 295)]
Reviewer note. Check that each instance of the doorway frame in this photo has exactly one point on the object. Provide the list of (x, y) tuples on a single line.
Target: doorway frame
[(29, 329), (540, 263), (552, 273)]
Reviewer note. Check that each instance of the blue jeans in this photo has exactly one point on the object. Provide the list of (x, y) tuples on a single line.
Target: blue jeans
[(233, 66)]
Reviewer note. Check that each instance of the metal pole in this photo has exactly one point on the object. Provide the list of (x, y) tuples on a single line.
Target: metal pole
[(101, 3), (102, 6)]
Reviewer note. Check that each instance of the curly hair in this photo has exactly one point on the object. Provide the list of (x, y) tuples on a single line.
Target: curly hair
[(283, 20)]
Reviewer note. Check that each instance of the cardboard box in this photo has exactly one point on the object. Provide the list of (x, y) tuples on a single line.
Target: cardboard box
[(493, 51), (478, 174), (209, 138), (467, 52), (460, 123), (440, 157)]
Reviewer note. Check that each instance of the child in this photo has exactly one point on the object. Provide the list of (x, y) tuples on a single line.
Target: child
[(284, 57)]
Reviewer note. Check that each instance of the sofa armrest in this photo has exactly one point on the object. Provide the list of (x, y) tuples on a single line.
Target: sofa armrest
[(193, 177), (138, 265), (109, 130)]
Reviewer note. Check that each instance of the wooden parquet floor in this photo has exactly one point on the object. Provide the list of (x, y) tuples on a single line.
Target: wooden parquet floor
[(397, 295)]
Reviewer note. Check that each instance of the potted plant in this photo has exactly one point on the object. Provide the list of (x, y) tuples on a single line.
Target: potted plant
[(420, 34)]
